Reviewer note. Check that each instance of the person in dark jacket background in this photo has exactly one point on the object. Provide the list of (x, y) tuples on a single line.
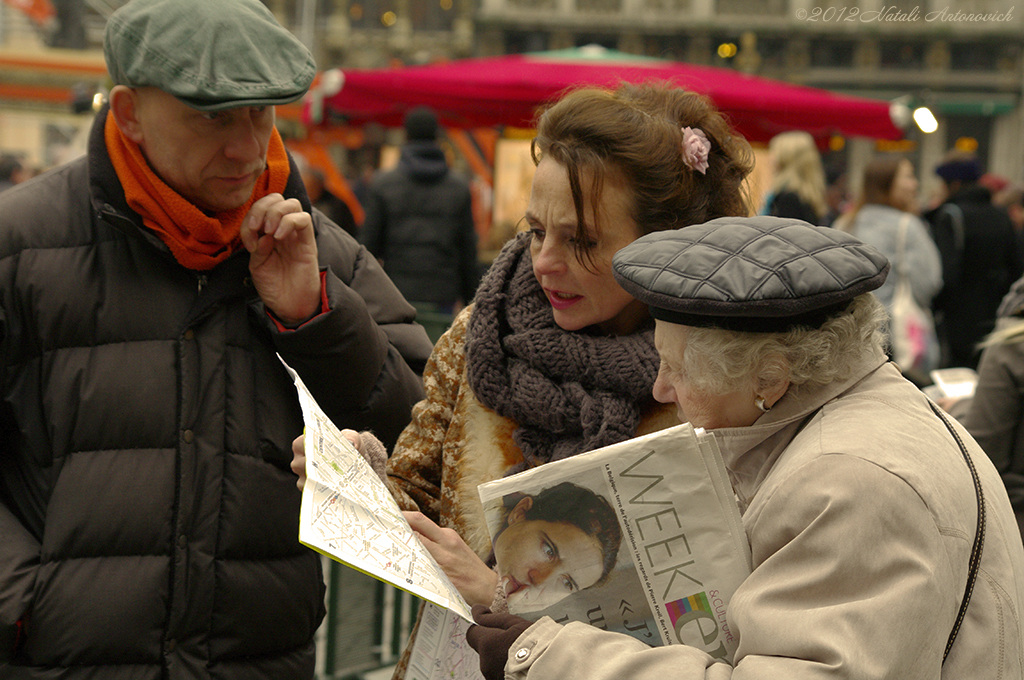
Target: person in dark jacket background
[(12, 172), (419, 222), (148, 516), (995, 414), (980, 259)]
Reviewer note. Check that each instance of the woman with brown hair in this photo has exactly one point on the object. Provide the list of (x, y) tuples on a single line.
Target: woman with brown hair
[(885, 217), (554, 358)]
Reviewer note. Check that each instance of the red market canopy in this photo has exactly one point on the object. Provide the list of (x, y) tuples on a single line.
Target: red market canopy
[(507, 90)]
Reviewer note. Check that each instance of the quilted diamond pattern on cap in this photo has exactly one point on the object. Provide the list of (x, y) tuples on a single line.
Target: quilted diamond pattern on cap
[(757, 266)]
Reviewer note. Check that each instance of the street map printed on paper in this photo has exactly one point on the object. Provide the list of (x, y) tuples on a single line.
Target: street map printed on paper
[(441, 651), (349, 515)]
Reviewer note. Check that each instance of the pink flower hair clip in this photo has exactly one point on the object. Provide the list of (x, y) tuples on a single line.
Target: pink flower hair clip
[(696, 147)]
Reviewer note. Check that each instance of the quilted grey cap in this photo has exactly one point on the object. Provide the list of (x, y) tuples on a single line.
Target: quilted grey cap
[(755, 274)]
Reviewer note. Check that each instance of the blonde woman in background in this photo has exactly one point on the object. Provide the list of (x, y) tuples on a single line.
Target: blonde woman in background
[(798, 189)]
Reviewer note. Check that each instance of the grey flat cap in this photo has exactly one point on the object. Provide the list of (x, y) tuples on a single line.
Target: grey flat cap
[(210, 54), (754, 274)]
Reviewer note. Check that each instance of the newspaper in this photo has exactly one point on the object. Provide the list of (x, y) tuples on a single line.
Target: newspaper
[(440, 650), (349, 515), (958, 382), (682, 550)]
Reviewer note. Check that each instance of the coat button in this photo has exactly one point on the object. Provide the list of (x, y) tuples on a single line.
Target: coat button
[(189, 334), (188, 436), (522, 654)]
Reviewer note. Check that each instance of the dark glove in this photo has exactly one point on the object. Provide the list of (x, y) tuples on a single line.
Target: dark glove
[(492, 637)]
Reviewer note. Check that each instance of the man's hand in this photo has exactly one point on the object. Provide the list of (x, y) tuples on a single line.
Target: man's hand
[(283, 257), (492, 636), (376, 457), (299, 460), (474, 579)]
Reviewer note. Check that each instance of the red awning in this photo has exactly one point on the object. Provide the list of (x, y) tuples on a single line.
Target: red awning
[(39, 11), (507, 90)]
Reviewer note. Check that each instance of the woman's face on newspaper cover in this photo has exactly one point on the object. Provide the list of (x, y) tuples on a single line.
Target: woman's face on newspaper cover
[(541, 562)]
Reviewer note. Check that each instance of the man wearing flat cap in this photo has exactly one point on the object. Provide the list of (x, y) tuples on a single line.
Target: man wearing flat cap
[(148, 515), (981, 258)]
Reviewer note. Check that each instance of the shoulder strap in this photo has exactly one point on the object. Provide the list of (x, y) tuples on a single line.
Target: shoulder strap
[(901, 245), (979, 534)]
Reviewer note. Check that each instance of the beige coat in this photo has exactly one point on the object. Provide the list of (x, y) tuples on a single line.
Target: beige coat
[(861, 512)]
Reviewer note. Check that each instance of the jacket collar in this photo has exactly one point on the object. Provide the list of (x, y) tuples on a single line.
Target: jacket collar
[(750, 452)]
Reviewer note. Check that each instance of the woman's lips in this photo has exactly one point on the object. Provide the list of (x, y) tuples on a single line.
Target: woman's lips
[(512, 585), (562, 300)]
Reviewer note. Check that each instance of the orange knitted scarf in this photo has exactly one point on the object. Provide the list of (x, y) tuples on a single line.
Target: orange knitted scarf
[(196, 240)]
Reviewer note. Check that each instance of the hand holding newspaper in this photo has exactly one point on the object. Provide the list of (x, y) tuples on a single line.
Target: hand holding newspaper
[(349, 515), (646, 535), (642, 537)]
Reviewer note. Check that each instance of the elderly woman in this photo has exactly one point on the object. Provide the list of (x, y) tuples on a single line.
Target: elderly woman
[(860, 498)]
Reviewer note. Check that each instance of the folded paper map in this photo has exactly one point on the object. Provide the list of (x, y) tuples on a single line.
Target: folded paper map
[(349, 515)]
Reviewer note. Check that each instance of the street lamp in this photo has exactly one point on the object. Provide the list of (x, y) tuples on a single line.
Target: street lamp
[(925, 119), (901, 114)]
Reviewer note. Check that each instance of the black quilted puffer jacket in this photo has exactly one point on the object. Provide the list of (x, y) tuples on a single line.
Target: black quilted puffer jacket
[(148, 516)]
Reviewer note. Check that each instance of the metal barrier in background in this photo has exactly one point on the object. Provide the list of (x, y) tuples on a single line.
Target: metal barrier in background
[(368, 623), (434, 319)]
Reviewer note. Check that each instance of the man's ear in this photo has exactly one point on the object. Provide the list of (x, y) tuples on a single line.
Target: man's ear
[(124, 106)]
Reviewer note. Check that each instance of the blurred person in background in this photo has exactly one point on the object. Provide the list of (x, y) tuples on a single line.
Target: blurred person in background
[(994, 183), (885, 216), (798, 187), (334, 208), (12, 172), (419, 222), (1011, 199), (995, 414), (837, 194), (980, 256)]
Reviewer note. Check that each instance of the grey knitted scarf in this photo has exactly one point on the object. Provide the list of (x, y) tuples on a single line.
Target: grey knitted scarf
[(569, 392)]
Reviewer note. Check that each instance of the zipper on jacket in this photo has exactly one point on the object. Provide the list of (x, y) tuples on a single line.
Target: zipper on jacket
[(202, 281)]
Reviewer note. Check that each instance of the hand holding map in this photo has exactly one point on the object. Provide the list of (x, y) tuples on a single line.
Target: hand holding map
[(349, 515)]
